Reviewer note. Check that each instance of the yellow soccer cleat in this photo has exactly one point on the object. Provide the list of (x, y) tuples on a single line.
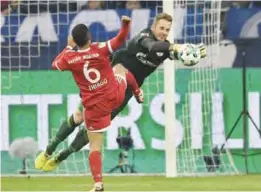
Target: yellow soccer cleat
[(40, 160), (51, 164)]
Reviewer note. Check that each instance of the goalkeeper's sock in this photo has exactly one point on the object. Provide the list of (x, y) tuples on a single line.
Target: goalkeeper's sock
[(96, 165), (80, 140), (65, 130), (64, 154)]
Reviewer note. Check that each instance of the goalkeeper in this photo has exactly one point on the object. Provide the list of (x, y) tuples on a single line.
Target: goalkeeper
[(142, 55)]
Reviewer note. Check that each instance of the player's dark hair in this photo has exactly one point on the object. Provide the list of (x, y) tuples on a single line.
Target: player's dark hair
[(81, 35)]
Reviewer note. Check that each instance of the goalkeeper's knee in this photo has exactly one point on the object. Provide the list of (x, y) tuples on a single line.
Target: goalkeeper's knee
[(80, 140), (76, 118)]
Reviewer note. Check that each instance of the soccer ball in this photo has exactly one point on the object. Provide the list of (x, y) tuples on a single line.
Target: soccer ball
[(189, 54)]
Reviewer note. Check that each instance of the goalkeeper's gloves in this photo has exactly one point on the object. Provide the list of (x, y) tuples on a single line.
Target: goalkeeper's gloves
[(138, 94), (176, 48), (203, 50)]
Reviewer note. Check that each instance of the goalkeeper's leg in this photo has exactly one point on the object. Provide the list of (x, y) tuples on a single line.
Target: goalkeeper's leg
[(65, 130), (81, 139)]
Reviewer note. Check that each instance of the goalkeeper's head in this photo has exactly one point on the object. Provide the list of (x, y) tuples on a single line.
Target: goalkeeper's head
[(81, 35), (161, 26)]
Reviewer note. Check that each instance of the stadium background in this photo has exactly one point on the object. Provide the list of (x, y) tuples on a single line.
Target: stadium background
[(39, 84)]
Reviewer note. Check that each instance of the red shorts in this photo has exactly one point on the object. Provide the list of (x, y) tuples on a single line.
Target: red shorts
[(98, 117)]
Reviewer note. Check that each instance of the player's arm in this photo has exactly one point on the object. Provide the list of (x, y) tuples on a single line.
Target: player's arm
[(159, 46), (165, 46), (60, 62), (120, 38)]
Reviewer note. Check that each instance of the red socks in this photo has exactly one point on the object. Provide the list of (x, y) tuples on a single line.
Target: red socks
[(95, 162)]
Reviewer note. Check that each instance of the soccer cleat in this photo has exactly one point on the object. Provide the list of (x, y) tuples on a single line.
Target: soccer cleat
[(97, 187), (40, 160), (51, 164)]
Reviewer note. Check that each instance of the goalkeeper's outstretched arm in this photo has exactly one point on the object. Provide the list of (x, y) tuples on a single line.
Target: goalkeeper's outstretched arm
[(160, 46), (172, 48)]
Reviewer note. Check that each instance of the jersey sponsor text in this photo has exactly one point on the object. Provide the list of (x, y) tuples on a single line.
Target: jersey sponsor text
[(74, 60)]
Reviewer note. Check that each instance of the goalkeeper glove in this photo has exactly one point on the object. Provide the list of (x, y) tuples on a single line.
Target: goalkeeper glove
[(203, 50), (138, 94), (176, 48)]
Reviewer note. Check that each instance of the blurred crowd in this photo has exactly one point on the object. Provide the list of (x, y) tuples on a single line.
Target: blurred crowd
[(226, 5), (35, 6), (32, 7)]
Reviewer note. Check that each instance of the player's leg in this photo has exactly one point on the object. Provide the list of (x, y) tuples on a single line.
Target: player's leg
[(128, 95), (80, 140), (97, 122), (66, 128), (95, 158), (121, 71)]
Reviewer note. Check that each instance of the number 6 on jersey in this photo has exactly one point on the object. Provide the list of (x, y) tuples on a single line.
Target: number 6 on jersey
[(87, 72)]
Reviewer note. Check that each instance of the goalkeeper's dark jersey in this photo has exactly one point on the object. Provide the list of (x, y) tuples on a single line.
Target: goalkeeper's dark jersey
[(139, 59)]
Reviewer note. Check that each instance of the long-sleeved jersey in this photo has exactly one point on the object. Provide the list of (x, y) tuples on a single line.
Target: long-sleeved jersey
[(142, 55)]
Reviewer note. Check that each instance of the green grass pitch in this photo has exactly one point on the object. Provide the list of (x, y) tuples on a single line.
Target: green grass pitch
[(134, 183)]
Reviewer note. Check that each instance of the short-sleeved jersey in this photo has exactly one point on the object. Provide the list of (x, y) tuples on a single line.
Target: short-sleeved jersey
[(91, 70), (139, 59)]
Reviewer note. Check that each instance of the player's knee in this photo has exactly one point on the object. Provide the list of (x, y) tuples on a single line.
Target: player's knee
[(96, 141), (95, 148), (119, 70), (78, 117)]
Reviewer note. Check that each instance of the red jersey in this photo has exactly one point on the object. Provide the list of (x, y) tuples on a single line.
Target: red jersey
[(91, 67)]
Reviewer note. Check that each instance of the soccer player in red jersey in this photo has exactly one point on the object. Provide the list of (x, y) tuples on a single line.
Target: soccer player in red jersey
[(102, 88)]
